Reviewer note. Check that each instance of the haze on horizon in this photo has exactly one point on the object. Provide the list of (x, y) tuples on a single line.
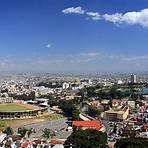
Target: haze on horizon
[(73, 36)]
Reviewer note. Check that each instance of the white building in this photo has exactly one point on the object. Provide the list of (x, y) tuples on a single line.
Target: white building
[(43, 91), (119, 82), (65, 85), (131, 104)]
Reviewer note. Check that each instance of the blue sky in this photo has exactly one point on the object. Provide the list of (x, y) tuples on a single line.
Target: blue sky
[(74, 35)]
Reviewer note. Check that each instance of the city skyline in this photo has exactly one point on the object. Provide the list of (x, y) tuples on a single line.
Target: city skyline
[(74, 36)]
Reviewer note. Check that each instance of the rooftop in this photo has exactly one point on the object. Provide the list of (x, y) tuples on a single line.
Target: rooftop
[(97, 124)]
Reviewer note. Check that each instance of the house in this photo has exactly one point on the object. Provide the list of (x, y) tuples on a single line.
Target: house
[(94, 124)]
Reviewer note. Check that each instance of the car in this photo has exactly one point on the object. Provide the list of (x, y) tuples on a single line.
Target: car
[(69, 123), (69, 128)]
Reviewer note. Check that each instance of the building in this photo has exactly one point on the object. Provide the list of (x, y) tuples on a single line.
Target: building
[(115, 115), (116, 102), (133, 78), (65, 85), (131, 104), (42, 90), (94, 124), (119, 82), (6, 100)]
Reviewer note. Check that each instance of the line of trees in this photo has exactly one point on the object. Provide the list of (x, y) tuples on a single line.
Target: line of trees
[(23, 131), (115, 91)]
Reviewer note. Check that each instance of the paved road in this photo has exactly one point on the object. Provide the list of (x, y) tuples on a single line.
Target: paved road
[(58, 125)]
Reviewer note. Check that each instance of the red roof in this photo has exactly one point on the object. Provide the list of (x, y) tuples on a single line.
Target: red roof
[(146, 124), (97, 124), (56, 141), (26, 144)]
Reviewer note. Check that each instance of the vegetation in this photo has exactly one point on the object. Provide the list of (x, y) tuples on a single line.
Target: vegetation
[(132, 143), (46, 133), (69, 109), (54, 116), (107, 92), (24, 97), (88, 138), (93, 111), (52, 101), (22, 131), (30, 131), (8, 131)]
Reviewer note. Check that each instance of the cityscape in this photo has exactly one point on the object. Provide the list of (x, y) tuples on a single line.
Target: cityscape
[(73, 74)]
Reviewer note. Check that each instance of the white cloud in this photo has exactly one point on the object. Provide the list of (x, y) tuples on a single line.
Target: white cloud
[(48, 45), (91, 54), (94, 15), (136, 58), (75, 10), (113, 17), (131, 18)]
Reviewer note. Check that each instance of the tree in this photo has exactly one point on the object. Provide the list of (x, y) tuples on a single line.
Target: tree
[(88, 138), (91, 91), (29, 132), (94, 112), (8, 131), (68, 107), (46, 133), (22, 131), (75, 115), (132, 143), (52, 101)]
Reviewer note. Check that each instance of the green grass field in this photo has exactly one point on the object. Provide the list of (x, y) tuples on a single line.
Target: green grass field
[(12, 107)]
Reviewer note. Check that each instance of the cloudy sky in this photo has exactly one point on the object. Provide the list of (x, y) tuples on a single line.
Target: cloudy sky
[(74, 35)]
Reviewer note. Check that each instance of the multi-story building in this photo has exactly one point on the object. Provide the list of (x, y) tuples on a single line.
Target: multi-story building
[(133, 78), (115, 115)]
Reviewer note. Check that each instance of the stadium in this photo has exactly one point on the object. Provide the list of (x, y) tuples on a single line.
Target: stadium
[(20, 110)]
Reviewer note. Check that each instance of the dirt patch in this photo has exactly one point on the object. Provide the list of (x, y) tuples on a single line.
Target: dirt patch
[(15, 123)]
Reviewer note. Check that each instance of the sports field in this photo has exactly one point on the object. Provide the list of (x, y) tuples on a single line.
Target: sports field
[(7, 107)]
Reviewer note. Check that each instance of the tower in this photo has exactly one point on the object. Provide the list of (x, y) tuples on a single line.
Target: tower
[(133, 78)]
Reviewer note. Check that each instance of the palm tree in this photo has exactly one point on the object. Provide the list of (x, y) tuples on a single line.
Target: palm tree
[(22, 131), (46, 133), (29, 132), (8, 131)]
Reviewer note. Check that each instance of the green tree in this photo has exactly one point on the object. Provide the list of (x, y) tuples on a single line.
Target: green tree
[(91, 91), (132, 143), (75, 115), (29, 132), (8, 131), (22, 131), (67, 106), (46, 133), (94, 112), (88, 138), (52, 101), (113, 92)]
